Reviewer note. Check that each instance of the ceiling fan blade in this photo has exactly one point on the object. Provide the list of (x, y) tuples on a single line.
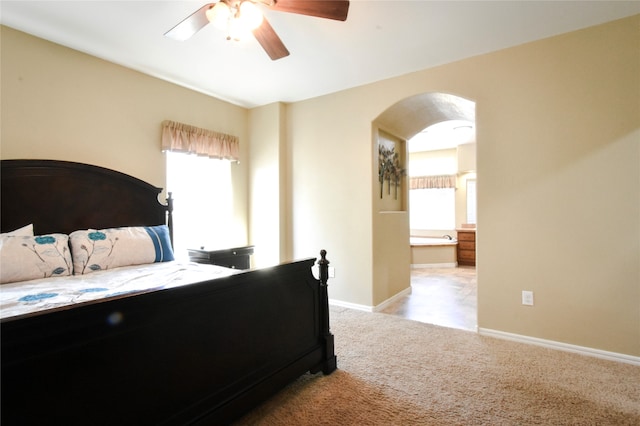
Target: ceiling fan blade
[(270, 41), (329, 9), (190, 25)]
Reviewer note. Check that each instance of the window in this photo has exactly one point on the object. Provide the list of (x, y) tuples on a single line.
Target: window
[(203, 201), (432, 208), (471, 201)]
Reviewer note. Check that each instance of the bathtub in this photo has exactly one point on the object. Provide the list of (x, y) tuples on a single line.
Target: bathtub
[(433, 252)]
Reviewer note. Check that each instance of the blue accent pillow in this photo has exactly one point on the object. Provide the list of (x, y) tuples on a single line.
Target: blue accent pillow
[(97, 250), (161, 242)]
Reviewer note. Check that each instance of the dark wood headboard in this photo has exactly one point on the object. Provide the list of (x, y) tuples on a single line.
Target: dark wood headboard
[(62, 197)]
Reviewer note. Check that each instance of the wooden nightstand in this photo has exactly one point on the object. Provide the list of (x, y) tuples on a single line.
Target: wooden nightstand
[(236, 258)]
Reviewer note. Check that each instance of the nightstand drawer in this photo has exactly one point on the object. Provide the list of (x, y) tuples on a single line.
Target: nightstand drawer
[(236, 258)]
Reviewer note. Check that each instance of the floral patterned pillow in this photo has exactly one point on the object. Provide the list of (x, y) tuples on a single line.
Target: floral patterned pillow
[(97, 250), (27, 257), (25, 231)]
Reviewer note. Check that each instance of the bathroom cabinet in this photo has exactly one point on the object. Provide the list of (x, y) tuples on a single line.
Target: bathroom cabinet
[(467, 247)]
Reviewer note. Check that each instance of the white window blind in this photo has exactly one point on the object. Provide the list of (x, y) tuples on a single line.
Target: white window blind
[(432, 208), (203, 201)]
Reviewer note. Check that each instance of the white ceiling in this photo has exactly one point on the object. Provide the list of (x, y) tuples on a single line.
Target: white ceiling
[(443, 135), (379, 40)]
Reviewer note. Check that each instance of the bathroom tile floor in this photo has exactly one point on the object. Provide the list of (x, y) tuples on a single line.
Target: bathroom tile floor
[(441, 296)]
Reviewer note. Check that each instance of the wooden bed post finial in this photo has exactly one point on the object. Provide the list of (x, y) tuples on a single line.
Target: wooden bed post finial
[(330, 361), (170, 216), (323, 265)]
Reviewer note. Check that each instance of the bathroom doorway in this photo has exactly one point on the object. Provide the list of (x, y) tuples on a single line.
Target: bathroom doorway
[(441, 145), (442, 200)]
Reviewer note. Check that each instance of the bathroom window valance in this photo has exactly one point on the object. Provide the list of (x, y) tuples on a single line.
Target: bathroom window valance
[(430, 182), (179, 137)]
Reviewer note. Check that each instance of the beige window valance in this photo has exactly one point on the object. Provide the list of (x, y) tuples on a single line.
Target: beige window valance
[(429, 182), (180, 137)]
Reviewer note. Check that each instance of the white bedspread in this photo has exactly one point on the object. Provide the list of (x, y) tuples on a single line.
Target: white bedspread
[(42, 294)]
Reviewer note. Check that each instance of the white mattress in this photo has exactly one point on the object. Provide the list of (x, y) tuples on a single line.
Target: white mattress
[(48, 293)]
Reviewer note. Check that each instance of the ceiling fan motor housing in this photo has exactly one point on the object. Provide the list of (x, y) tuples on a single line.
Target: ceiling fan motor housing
[(239, 17)]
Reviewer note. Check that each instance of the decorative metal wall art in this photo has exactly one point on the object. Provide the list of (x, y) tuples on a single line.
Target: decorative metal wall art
[(389, 169)]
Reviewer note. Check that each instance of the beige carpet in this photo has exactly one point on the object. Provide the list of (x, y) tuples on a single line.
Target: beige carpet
[(393, 371)]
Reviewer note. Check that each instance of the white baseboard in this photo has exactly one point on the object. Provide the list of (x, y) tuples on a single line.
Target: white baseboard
[(582, 350), (433, 265), (349, 305), (366, 308), (392, 299)]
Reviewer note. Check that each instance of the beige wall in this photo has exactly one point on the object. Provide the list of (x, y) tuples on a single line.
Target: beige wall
[(559, 189), (331, 185), (436, 162), (269, 212), (558, 123), (466, 154), (61, 104)]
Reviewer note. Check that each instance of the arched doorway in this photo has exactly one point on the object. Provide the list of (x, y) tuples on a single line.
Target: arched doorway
[(439, 130)]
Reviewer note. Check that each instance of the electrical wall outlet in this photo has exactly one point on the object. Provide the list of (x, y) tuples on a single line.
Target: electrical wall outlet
[(332, 272), (527, 298)]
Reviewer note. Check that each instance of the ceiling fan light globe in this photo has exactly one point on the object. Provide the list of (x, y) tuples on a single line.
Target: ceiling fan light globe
[(218, 15), (237, 31), (250, 15)]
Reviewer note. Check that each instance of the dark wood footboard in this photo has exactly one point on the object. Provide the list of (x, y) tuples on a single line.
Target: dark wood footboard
[(200, 354)]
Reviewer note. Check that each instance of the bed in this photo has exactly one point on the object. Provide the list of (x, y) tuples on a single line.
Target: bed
[(202, 352)]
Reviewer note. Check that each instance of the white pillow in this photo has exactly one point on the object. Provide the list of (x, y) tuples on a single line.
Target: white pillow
[(96, 250), (28, 258), (25, 231)]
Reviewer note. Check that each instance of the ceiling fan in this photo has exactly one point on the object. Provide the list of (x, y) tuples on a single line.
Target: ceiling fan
[(242, 16)]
